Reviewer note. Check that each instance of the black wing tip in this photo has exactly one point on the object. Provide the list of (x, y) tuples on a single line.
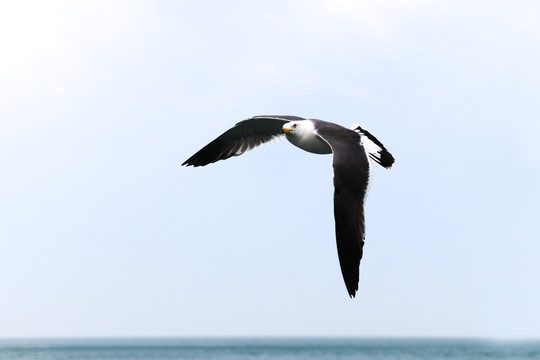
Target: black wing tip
[(351, 279), (201, 158), (352, 287), (189, 163), (194, 161), (199, 162)]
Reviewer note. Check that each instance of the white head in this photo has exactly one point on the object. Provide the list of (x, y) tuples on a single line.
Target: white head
[(302, 133), (299, 128)]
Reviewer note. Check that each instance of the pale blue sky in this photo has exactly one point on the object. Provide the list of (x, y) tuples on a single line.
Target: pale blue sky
[(103, 233)]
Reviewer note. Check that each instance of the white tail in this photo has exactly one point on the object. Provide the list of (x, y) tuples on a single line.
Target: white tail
[(376, 150)]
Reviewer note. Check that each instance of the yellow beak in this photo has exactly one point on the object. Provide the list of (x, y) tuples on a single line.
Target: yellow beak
[(285, 130)]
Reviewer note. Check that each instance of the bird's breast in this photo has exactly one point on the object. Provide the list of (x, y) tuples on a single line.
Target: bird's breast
[(311, 143)]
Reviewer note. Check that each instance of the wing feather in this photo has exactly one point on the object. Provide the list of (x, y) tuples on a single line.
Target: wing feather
[(351, 179), (242, 137)]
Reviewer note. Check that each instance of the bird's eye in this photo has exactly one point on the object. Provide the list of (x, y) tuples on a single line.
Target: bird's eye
[(294, 125)]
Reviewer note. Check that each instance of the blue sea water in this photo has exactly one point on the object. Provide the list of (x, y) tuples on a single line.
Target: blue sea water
[(265, 348)]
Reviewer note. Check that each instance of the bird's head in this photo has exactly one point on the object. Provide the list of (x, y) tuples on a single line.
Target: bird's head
[(291, 127)]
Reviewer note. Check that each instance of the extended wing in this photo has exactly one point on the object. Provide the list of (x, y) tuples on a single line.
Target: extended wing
[(242, 137), (351, 182)]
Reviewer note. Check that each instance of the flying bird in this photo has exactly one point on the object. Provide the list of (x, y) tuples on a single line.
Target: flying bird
[(351, 149)]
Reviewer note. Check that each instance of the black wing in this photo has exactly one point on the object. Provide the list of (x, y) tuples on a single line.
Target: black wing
[(351, 179), (242, 137)]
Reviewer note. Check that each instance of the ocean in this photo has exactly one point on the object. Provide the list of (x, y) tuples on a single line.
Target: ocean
[(265, 348)]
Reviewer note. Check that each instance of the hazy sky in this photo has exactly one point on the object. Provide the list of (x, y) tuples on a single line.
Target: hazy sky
[(103, 233)]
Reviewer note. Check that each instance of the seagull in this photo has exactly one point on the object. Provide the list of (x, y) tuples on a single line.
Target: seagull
[(351, 149)]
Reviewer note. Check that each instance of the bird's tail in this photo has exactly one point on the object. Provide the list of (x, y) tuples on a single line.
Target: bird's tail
[(376, 150)]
